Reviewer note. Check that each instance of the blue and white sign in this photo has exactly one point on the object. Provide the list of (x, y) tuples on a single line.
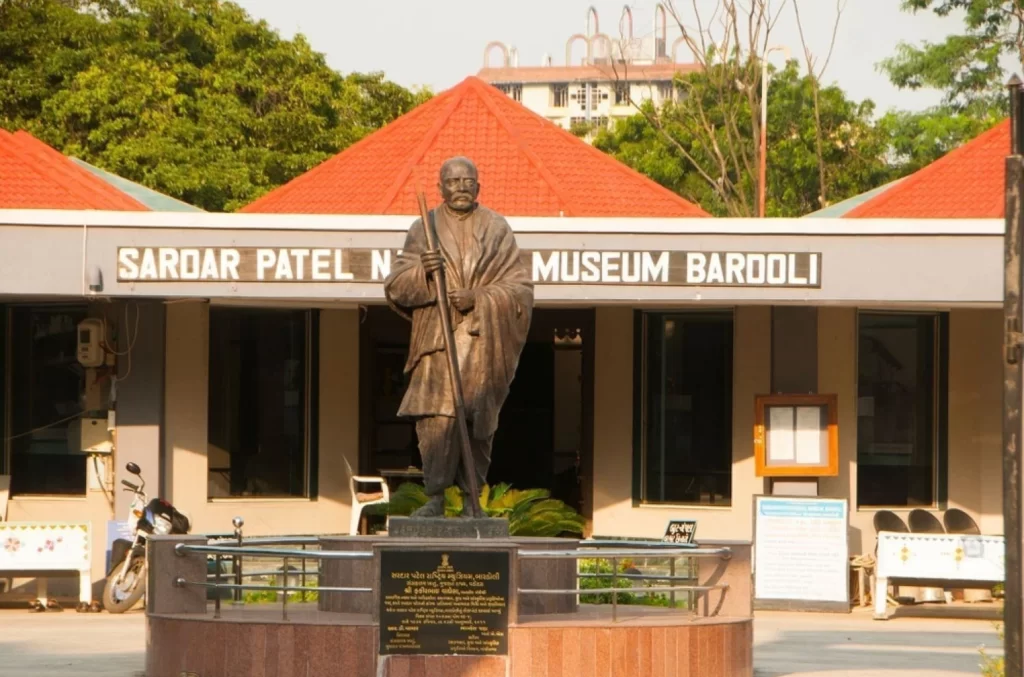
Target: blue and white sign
[(801, 549)]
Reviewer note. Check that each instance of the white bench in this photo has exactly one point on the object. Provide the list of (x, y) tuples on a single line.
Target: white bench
[(42, 549), (936, 560)]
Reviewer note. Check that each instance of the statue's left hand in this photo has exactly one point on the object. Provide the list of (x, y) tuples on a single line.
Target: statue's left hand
[(462, 299)]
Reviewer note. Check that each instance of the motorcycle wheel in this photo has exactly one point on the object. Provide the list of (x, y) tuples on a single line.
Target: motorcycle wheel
[(118, 599)]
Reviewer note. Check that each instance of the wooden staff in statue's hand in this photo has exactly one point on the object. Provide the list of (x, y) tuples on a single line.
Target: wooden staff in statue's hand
[(460, 281), (432, 261)]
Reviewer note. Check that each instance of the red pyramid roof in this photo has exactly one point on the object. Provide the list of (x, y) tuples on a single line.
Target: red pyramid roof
[(528, 166), (35, 176), (965, 183)]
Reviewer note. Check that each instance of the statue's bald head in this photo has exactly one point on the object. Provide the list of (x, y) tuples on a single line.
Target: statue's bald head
[(459, 183)]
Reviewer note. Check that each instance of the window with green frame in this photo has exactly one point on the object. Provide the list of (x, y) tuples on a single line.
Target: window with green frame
[(44, 384), (683, 407), (901, 409), (263, 403)]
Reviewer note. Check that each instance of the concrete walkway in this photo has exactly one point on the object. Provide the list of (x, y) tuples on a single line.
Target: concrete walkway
[(917, 642), (71, 644), (786, 645)]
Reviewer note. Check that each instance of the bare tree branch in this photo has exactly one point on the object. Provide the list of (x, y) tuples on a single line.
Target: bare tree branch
[(720, 118), (815, 89)]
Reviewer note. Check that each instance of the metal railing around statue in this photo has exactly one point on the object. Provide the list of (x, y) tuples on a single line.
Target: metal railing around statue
[(675, 565), (615, 552)]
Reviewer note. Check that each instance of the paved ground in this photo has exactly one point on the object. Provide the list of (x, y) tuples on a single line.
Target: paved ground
[(833, 645), (786, 645), (70, 644)]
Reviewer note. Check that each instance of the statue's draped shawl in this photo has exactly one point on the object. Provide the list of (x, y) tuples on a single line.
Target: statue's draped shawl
[(490, 337)]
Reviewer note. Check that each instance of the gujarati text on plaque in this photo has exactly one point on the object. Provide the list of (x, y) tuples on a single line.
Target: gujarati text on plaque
[(444, 602)]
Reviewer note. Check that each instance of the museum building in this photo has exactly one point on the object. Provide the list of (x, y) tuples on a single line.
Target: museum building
[(248, 363)]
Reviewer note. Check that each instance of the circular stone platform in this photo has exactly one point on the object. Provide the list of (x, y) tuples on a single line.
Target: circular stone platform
[(255, 641), (548, 636)]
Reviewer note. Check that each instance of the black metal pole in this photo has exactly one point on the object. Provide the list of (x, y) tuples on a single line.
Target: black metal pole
[(1013, 375)]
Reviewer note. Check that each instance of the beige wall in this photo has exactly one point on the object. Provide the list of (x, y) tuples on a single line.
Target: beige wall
[(94, 508), (614, 514), (186, 435), (974, 423)]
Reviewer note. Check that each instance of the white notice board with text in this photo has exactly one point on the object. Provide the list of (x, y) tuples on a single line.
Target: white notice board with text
[(801, 553)]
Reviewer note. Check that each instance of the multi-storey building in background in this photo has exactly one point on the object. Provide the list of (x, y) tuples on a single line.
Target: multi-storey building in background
[(606, 83)]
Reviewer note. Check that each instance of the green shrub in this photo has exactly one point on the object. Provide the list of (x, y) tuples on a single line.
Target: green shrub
[(530, 512), (270, 596), (993, 667), (630, 594)]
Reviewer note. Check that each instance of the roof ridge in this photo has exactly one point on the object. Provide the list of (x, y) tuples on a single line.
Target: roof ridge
[(10, 145), (543, 168), (82, 184), (608, 160), (419, 151), (912, 180), (485, 93), (375, 135)]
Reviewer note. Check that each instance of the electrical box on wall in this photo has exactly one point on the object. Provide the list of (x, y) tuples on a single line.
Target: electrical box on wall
[(90, 435), (90, 342)]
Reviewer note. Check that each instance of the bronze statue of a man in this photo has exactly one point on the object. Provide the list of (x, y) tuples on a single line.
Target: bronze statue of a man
[(490, 302)]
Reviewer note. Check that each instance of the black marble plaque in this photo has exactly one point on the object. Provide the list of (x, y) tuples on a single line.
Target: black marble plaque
[(444, 602)]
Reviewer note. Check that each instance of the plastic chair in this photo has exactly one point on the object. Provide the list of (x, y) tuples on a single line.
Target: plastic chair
[(957, 521), (887, 520), (362, 499), (923, 522)]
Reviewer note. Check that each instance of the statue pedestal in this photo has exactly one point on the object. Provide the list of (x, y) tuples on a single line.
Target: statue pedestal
[(448, 527)]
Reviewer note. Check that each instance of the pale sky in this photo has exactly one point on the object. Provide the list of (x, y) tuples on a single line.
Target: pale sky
[(440, 42)]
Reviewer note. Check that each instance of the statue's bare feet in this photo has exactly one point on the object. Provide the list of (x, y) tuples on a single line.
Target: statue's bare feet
[(432, 508)]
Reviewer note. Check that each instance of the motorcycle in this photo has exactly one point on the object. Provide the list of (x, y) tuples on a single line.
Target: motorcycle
[(126, 580)]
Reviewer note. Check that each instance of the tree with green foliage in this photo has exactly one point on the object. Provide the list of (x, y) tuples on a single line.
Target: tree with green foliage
[(192, 98), (966, 67), (675, 147), (704, 142)]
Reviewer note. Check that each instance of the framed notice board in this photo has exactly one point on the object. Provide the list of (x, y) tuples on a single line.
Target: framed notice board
[(801, 553), (796, 436)]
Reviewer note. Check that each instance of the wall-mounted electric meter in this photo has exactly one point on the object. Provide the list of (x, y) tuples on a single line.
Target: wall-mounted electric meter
[(90, 342)]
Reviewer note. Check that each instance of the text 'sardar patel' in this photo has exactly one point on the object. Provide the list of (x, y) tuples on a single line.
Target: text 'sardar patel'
[(490, 302)]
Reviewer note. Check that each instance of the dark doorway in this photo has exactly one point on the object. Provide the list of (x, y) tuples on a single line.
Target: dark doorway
[(543, 438)]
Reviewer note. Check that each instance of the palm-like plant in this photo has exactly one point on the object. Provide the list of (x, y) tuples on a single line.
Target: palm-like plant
[(530, 512)]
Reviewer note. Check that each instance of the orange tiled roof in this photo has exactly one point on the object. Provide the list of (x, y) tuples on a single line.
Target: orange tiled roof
[(528, 166), (965, 183), (35, 176), (659, 72)]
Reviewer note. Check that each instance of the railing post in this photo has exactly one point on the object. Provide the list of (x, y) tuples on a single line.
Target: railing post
[(284, 593), (672, 581), (302, 595), (238, 522), (217, 590), (615, 585), (166, 565), (734, 572)]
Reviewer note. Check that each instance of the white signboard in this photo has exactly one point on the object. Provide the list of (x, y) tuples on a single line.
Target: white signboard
[(954, 557), (801, 550), (547, 266), (43, 546)]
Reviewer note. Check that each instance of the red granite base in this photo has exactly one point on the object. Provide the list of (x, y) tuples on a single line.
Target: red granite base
[(322, 645)]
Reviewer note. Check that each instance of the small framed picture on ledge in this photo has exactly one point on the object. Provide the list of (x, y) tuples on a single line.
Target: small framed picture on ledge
[(796, 435)]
